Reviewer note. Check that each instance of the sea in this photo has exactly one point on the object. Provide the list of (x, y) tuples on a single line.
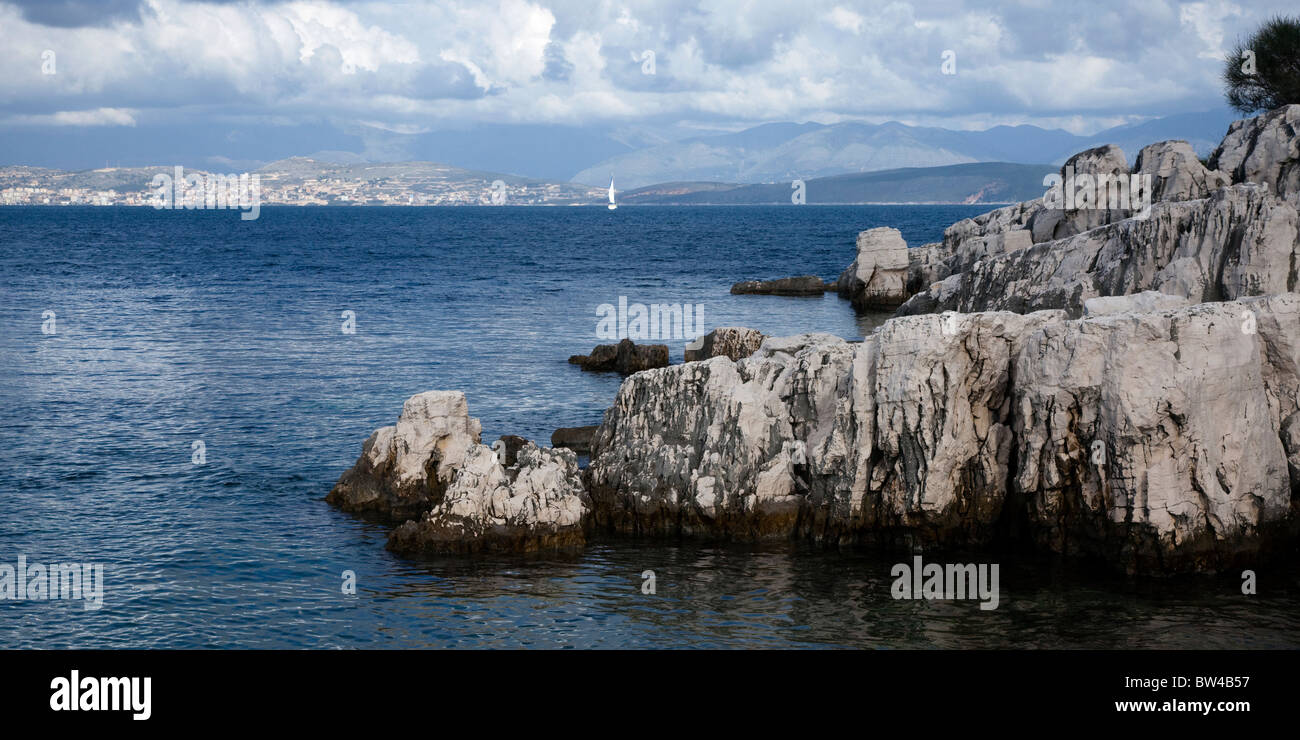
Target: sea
[(180, 389)]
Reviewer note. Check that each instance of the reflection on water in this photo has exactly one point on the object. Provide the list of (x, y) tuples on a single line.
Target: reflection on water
[(783, 596)]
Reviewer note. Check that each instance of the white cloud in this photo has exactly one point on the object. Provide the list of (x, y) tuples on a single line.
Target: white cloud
[(845, 19), (413, 65), (96, 117)]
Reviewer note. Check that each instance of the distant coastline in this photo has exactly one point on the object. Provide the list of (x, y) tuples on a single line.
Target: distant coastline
[(305, 182)]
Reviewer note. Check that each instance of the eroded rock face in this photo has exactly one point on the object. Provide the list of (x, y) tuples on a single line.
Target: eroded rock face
[(626, 357), (1176, 172), (802, 285), (1148, 301), (405, 469), (1018, 226), (1264, 150), (732, 342), (1241, 241), (951, 430), (1158, 441), (1176, 175), (536, 504), (878, 276), (901, 438)]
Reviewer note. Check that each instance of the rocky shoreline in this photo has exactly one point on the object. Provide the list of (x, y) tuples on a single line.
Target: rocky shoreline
[(1110, 384)]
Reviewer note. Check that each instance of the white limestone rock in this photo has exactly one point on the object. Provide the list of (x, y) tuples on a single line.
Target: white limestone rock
[(1177, 173), (902, 437), (536, 504), (1240, 241), (732, 342), (1264, 150), (404, 469), (1158, 442), (1148, 301), (878, 276)]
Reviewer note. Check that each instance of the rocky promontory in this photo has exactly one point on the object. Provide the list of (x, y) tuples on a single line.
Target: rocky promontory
[(1117, 382)]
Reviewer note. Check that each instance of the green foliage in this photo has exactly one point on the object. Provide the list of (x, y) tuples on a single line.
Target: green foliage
[(1264, 72)]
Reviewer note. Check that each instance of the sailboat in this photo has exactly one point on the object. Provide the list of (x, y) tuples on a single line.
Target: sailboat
[(612, 204)]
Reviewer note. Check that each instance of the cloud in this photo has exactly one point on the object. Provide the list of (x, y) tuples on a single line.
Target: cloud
[(77, 13), (96, 117), (406, 66)]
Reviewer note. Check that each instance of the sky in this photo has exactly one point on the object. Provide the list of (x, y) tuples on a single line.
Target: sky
[(266, 77)]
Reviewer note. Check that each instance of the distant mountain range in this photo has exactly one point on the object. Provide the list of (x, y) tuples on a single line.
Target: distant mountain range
[(979, 182), (639, 154), (781, 152)]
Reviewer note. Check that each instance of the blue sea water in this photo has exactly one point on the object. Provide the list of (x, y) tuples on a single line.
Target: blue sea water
[(177, 326)]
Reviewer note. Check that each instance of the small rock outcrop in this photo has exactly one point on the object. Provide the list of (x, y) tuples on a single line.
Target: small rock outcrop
[(877, 279), (536, 504), (803, 285), (732, 342), (625, 358), (406, 468)]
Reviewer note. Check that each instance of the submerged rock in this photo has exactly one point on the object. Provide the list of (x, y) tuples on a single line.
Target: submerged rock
[(536, 504), (803, 285), (626, 357), (406, 468), (732, 342)]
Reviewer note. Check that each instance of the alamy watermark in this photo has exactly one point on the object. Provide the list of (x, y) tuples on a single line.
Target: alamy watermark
[(946, 582), (638, 321), (1099, 192), (53, 582), (76, 693), (196, 192)]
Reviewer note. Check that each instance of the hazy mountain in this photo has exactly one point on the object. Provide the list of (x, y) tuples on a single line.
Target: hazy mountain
[(1203, 131), (637, 154), (782, 152), (537, 151), (980, 182)]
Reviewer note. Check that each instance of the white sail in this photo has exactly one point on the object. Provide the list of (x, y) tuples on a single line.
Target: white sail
[(612, 205)]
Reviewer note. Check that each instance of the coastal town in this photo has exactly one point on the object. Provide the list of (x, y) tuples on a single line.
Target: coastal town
[(298, 182)]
